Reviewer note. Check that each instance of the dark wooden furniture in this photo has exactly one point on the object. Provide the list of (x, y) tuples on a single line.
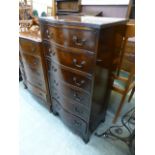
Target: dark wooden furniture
[(79, 54), (126, 69), (67, 6), (32, 66), (71, 7)]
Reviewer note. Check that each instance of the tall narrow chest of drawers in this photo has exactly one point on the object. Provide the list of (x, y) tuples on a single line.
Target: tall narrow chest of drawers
[(32, 66), (79, 54)]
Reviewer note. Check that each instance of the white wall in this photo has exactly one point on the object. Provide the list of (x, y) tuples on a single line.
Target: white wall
[(105, 2)]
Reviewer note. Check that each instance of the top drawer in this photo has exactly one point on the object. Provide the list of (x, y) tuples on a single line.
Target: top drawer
[(29, 46), (71, 37)]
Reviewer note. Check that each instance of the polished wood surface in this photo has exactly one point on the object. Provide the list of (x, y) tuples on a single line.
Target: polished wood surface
[(79, 54), (30, 47), (70, 76), (76, 124), (70, 91), (82, 22), (75, 59), (70, 36), (33, 66)]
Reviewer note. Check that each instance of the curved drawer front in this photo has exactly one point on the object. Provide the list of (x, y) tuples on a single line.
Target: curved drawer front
[(37, 92), (36, 77), (80, 60), (71, 92), (70, 76), (34, 71), (71, 106), (70, 120), (29, 46), (71, 37), (32, 61)]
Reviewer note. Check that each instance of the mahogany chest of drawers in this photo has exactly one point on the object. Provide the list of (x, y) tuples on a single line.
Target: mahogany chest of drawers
[(79, 54), (32, 66)]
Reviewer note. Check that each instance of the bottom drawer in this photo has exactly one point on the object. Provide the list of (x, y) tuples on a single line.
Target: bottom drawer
[(37, 92), (73, 122)]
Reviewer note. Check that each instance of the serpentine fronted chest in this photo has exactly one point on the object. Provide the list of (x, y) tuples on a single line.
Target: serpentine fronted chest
[(79, 54)]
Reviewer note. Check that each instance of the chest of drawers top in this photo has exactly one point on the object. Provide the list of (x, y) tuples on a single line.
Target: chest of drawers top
[(33, 36), (86, 21), (81, 33)]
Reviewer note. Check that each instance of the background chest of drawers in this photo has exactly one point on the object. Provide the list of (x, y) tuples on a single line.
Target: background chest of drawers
[(79, 60), (32, 66)]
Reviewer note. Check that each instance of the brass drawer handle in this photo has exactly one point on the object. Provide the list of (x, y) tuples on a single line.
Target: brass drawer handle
[(49, 34), (76, 97), (78, 65), (78, 42), (78, 83)]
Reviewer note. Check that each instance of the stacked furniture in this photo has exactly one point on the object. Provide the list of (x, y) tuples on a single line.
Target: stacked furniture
[(79, 54), (65, 7), (32, 66)]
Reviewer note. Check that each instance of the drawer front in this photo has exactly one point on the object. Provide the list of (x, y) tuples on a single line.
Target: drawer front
[(80, 60), (75, 123), (70, 76), (37, 92), (29, 46), (32, 61), (73, 93), (71, 37), (36, 77), (71, 106)]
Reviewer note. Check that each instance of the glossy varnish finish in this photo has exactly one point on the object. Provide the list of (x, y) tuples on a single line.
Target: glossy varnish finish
[(79, 54), (31, 58), (70, 36), (72, 77)]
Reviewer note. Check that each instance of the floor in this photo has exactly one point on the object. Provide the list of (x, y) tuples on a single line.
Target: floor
[(42, 133)]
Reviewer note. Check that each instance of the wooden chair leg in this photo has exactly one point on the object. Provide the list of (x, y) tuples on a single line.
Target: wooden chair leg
[(132, 92), (119, 108)]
